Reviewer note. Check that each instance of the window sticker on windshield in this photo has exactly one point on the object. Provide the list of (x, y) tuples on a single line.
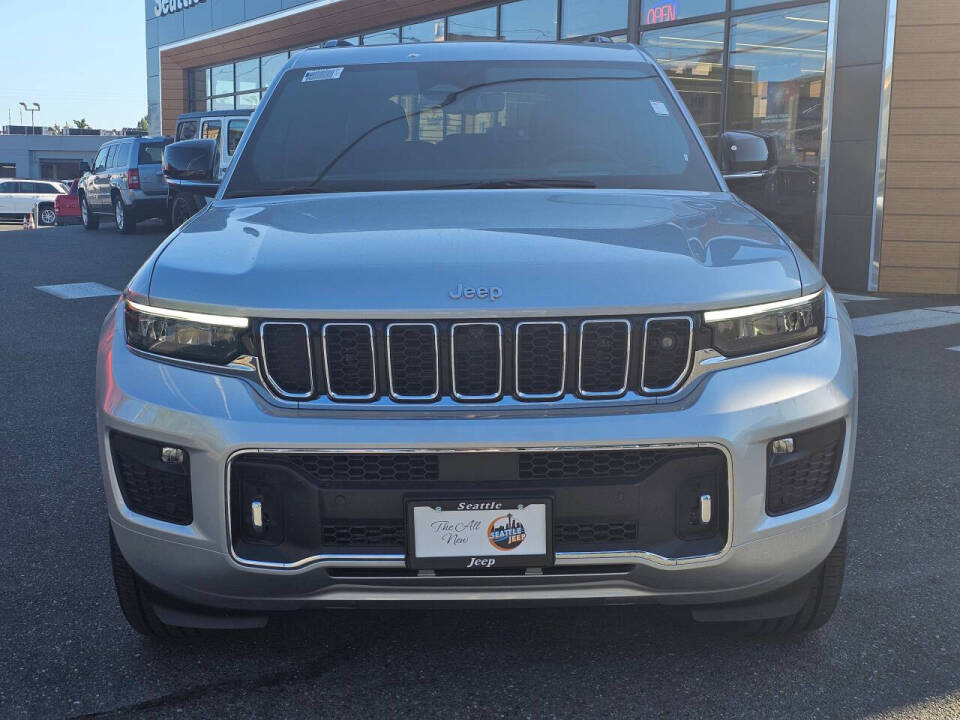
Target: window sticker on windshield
[(659, 108), (324, 74)]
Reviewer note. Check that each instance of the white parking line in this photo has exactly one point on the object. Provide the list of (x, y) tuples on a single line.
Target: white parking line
[(847, 297), (905, 321), (77, 291), (955, 348)]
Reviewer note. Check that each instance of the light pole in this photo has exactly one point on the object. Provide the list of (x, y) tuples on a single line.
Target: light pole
[(31, 110)]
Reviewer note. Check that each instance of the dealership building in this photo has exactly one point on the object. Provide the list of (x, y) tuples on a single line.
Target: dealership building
[(857, 98)]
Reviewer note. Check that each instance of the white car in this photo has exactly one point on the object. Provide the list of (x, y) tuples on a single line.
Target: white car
[(20, 197)]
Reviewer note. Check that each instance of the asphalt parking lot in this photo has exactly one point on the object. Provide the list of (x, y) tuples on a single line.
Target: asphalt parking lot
[(891, 651)]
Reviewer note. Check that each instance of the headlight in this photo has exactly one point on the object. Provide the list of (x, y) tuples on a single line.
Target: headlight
[(215, 339), (755, 329)]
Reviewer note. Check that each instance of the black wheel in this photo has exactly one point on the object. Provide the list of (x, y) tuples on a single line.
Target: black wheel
[(821, 599), (123, 216), (46, 215), (132, 593), (180, 212), (89, 220)]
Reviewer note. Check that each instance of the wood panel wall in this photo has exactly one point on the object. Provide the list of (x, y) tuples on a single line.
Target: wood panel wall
[(338, 19), (920, 251)]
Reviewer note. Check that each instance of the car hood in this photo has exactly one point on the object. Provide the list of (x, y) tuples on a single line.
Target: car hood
[(404, 254)]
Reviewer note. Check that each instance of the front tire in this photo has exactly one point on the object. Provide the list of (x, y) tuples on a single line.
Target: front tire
[(822, 597), (89, 220), (125, 223), (134, 601)]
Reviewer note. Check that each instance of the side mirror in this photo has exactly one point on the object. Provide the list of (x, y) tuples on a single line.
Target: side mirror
[(193, 165), (84, 167), (747, 155)]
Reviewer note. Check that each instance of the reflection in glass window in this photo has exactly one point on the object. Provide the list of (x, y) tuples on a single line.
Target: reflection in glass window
[(531, 20), (248, 101), (222, 79), (653, 12), (248, 75), (355, 40), (692, 56), (384, 37), (222, 103), (429, 31), (591, 17), (479, 24), (270, 66), (776, 91)]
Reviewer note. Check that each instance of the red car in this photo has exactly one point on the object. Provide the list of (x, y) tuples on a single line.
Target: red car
[(67, 207)]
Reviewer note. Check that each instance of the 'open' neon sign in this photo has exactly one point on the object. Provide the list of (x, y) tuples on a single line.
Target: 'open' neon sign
[(664, 12)]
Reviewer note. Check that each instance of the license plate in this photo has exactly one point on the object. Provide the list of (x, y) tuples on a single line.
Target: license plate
[(481, 534)]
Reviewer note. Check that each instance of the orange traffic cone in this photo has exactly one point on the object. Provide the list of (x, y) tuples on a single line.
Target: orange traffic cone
[(28, 222)]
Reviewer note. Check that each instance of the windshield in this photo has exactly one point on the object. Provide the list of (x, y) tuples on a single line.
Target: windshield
[(470, 124)]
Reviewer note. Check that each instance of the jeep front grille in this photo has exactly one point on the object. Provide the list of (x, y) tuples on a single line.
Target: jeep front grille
[(478, 361)]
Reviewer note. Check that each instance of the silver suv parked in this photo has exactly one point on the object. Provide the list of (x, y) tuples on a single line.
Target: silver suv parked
[(125, 183), (474, 324)]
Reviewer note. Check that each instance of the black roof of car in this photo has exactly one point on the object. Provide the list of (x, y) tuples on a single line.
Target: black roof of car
[(212, 113)]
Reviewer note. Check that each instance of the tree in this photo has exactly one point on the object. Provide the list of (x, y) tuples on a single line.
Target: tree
[(81, 124), (143, 125)]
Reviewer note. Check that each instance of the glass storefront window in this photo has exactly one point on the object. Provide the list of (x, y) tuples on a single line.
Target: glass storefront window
[(269, 67), (479, 24), (531, 20), (248, 75), (653, 12), (692, 56), (384, 37), (222, 79), (248, 101), (777, 68), (429, 31), (591, 17), (222, 103)]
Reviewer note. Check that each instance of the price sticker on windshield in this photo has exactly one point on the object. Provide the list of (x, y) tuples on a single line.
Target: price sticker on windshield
[(323, 74), (659, 108)]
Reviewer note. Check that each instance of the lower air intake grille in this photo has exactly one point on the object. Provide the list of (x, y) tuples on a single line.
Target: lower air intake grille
[(477, 361), (666, 353), (367, 467), (286, 357), (589, 464), (590, 533), (604, 357), (808, 474), (149, 486), (356, 535)]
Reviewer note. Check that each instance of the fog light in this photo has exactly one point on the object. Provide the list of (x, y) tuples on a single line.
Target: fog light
[(172, 455), (783, 446)]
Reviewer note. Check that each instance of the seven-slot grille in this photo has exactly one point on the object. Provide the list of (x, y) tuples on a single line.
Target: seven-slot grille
[(477, 361)]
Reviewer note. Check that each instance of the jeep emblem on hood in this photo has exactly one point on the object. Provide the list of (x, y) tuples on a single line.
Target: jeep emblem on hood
[(492, 293)]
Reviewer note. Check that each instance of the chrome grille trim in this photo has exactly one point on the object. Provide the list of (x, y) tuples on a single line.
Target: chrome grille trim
[(275, 386), (453, 361), (516, 362), (643, 359), (436, 363), (626, 364), (373, 359)]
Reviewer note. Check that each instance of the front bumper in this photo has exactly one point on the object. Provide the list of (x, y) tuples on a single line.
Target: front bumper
[(737, 410)]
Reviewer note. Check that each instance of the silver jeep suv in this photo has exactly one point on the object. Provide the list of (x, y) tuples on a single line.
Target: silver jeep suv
[(474, 324), (125, 184)]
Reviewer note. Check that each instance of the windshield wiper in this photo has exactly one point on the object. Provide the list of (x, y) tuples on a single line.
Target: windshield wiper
[(294, 190), (518, 184)]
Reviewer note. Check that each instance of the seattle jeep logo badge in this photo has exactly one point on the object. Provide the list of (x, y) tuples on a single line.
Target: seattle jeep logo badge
[(506, 532), (492, 293)]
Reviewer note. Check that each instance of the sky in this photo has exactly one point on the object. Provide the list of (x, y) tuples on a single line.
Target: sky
[(78, 59)]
